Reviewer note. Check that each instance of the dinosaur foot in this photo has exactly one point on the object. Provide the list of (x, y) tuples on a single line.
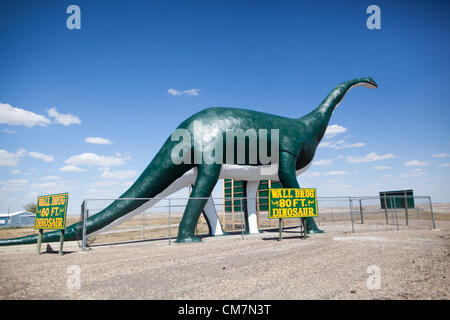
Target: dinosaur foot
[(187, 239), (313, 231)]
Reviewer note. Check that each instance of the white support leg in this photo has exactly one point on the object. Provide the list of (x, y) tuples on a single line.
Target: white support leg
[(252, 188), (211, 214)]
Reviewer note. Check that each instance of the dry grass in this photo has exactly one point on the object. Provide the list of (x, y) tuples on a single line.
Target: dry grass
[(155, 226)]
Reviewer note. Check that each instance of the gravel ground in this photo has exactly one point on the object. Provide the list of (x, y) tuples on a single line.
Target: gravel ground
[(413, 264)]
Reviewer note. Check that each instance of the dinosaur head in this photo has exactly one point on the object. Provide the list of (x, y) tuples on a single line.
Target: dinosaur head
[(338, 93), (319, 118), (367, 82)]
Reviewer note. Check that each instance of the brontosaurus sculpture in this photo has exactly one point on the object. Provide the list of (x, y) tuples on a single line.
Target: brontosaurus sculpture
[(292, 142)]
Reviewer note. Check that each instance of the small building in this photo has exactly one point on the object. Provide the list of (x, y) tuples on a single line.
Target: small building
[(17, 219), (398, 199)]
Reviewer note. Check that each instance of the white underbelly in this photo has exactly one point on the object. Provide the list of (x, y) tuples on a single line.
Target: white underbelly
[(228, 171)]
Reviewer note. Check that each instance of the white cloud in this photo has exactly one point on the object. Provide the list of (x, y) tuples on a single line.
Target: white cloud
[(32, 194), (92, 159), (10, 159), (41, 156), (325, 144), (119, 175), (174, 92), (15, 182), (190, 92), (352, 145), (371, 157), (44, 185), (308, 174), (64, 119), (335, 173), (382, 167), (413, 173), (47, 178), (127, 184), (340, 144), (71, 168), (97, 140), (323, 162), (92, 191), (19, 117), (441, 155), (416, 163), (334, 130), (6, 130), (445, 164), (14, 185), (54, 186), (103, 184)]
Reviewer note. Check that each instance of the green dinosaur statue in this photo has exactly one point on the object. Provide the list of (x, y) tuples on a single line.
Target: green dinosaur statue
[(295, 139)]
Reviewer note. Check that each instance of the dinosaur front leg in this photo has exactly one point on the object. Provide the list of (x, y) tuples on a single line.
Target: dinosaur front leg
[(207, 177), (288, 179)]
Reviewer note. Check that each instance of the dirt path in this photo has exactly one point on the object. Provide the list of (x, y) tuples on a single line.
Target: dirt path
[(412, 264)]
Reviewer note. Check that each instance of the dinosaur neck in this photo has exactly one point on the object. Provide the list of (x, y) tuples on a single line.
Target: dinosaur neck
[(318, 119)]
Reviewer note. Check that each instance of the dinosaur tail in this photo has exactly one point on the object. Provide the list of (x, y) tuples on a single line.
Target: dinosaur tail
[(158, 175)]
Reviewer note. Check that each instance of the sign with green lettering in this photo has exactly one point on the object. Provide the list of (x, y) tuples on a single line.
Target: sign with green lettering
[(51, 212), (292, 203)]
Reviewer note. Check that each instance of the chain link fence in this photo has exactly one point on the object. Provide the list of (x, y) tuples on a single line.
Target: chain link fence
[(375, 213), (335, 214)]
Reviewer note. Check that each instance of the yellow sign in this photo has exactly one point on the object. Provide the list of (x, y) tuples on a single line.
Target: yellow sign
[(51, 211), (292, 203)]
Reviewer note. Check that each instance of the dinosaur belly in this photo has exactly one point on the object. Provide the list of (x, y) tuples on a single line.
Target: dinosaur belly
[(238, 172)]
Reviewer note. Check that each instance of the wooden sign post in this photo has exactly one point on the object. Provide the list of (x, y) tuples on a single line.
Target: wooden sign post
[(51, 213), (292, 203)]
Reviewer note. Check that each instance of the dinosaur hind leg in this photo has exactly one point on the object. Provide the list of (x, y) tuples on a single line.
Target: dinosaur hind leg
[(288, 179), (207, 177)]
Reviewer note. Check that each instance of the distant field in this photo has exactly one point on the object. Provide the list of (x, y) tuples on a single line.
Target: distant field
[(155, 225)]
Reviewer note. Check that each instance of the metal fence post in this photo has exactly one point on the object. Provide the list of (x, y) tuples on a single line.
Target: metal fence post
[(385, 208), (406, 209), (361, 211), (280, 231), (169, 222), (242, 221), (318, 215), (143, 225), (83, 233), (395, 212), (351, 213), (432, 213), (305, 231), (39, 241)]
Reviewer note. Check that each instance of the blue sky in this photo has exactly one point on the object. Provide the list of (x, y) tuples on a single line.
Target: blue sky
[(111, 80)]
